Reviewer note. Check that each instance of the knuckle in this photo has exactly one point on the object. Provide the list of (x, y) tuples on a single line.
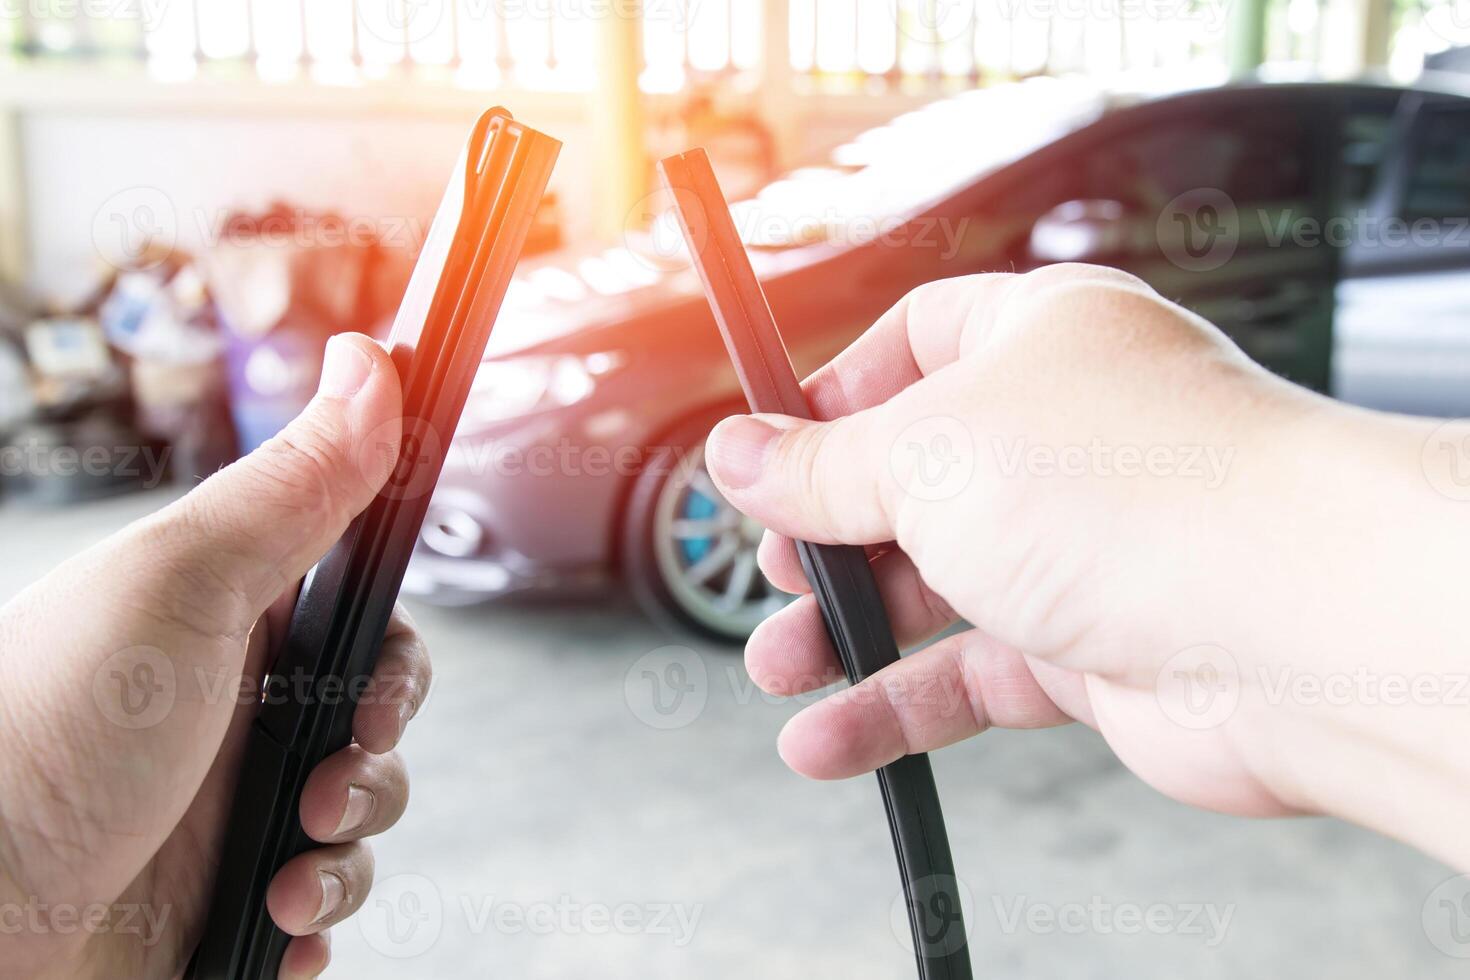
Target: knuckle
[(414, 688), (191, 571), (403, 621), (817, 462), (390, 691), (918, 297), (305, 463), (1073, 272), (932, 306), (420, 677), (1084, 301), (973, 696), (802, 450), (405, 671), (932, 604), (1077, 317), (886, 691)]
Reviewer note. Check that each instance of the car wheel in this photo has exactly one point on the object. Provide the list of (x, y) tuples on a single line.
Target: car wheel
[(689, 556)]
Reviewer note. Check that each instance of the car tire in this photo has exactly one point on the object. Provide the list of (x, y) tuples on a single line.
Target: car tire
[(688, 556)]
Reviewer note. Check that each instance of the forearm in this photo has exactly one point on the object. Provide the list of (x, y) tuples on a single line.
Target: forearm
[(1358, 666)]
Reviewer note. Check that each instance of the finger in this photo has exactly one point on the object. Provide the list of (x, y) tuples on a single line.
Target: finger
[(931, 327), (957, 688), (834, 482), (306, 957), (353, 794), (781, 564), (817, 481), (272, 627), (320, 888), (918, 335), (890, 356), (1067, 689), (258, 525), (399, 686), (790, 653)]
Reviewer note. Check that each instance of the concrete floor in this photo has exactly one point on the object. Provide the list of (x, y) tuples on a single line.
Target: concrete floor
[(560, 828)]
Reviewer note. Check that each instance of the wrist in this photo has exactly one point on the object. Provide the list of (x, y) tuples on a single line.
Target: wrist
[(1360, 692)]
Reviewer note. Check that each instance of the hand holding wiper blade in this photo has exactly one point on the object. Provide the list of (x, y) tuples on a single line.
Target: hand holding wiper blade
[(345, 603), (841, 579)]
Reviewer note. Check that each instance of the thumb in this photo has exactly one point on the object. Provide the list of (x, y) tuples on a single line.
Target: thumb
[(259, 524), (825, 482)]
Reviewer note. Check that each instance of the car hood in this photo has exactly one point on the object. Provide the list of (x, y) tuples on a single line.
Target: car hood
[(882, 177)]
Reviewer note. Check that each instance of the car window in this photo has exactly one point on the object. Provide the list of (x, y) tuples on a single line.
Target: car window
[(1252, 155), (1367, 126), (1438, 184), (1155, 161)]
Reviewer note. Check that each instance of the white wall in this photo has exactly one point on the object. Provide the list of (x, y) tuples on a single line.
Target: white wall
[(86, 147), (82, 171)]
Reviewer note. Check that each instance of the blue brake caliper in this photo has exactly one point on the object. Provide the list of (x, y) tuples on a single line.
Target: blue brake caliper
[(697, 507)]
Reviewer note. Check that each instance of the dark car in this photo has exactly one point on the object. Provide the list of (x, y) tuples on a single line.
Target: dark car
[(1275, 210)]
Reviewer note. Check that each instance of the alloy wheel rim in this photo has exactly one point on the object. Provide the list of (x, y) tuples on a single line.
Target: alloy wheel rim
[(706, 552)]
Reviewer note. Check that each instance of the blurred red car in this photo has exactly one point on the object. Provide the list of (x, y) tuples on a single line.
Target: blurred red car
[(1264, 207)]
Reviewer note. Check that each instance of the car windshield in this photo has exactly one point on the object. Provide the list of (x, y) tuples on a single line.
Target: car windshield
[(869, 186), (889, 173)]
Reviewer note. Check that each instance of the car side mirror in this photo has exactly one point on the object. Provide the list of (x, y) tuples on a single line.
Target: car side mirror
[(1080, 231)]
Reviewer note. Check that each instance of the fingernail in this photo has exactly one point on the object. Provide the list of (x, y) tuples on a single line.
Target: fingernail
[(345, 368), (738, 449), (405, 715), (334, 890), (360, 803)]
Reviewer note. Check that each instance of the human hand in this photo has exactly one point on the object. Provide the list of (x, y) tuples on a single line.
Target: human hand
[(1149, 533), (114, 797)]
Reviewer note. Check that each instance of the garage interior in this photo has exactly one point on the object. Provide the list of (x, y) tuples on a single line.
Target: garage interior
[(564, 829)]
